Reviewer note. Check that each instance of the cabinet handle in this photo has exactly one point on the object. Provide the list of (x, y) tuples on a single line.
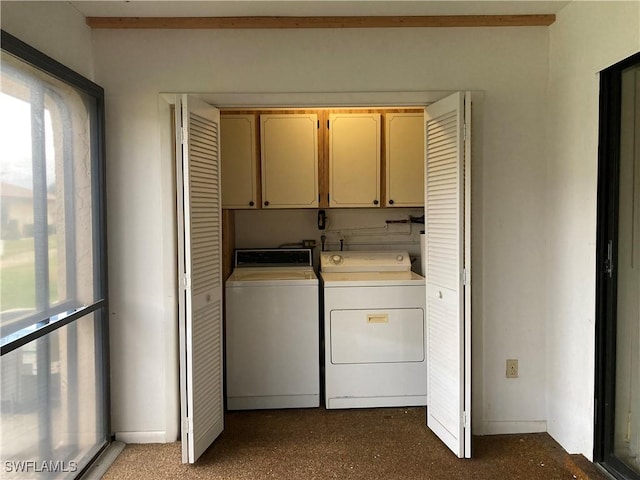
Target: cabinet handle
[(390, 202), (251, 204), (375, 202), (266, 204)]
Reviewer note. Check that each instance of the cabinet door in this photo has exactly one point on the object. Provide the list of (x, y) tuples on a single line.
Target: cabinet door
[(289, 160), (239, 161), (404, 160), (354, 160)]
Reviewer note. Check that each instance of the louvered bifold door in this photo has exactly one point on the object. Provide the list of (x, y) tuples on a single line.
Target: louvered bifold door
[(200, 272), (448, 270)]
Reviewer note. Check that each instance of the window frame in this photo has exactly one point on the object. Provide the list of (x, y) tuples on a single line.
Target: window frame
[(50, 319), (40, 324)]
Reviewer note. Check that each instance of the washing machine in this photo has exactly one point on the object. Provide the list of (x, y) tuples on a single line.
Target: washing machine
[(374, 330), (272, 330)]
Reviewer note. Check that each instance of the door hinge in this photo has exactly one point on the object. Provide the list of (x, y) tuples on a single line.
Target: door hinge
[(464, 131), (185, 281), (327, 123), (465, 419), (608, 263), (318, 123), (184, 135), (187, 425), (466, 277)]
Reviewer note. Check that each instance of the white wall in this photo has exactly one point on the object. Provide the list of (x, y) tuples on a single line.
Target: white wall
[(586, 38), (508, 64), (55, 28)]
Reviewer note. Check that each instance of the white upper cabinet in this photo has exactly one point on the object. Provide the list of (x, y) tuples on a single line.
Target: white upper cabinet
[(289, 154), (280, 158), (354, 160), (239, 161), (404, 160)]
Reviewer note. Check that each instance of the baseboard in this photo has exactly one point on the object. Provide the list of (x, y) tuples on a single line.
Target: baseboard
[(142, 437), (505, 428)]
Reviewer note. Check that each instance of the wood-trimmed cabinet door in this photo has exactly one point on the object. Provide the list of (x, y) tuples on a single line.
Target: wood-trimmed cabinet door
[(239, 161), (354, 160), (404, 159), (289, 154)]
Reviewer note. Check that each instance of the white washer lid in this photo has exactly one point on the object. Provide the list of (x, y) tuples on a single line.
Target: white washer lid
[(377, 261)]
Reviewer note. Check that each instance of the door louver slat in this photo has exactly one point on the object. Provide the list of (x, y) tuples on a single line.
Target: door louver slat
[(205, 202)]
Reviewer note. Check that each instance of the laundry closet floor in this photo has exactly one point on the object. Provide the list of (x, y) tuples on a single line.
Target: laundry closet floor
[(372, 444)]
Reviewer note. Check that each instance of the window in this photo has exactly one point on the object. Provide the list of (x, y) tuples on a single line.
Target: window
[(52, 267)]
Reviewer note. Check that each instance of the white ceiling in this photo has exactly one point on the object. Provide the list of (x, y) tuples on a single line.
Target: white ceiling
[(226, 8)]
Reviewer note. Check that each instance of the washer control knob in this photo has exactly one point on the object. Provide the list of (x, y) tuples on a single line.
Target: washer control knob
[(336, 259), (400, 258)]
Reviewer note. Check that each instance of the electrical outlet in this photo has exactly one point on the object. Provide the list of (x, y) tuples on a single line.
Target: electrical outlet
[(512, 368)]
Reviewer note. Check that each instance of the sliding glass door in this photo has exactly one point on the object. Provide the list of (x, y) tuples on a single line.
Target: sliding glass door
[(618, 328), (626, 445), (53, 306)]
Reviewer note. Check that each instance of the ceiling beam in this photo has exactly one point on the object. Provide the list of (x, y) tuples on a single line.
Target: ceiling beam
[(321, 22)]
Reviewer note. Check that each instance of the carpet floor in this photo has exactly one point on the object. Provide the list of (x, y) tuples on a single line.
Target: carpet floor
[(371, 444)]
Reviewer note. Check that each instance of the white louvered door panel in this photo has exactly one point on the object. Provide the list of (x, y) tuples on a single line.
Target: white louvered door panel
[(200, 269), (447, 251)]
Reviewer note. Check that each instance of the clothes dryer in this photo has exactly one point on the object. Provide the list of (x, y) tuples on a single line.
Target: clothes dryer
[(374, 330)]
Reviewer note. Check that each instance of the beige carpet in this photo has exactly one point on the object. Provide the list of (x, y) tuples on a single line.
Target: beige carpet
[(371, 444)]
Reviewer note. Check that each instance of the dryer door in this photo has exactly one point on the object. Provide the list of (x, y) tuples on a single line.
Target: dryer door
[(377, 336)]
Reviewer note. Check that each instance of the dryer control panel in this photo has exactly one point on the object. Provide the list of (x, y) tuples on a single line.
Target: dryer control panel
[(376, 261)]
